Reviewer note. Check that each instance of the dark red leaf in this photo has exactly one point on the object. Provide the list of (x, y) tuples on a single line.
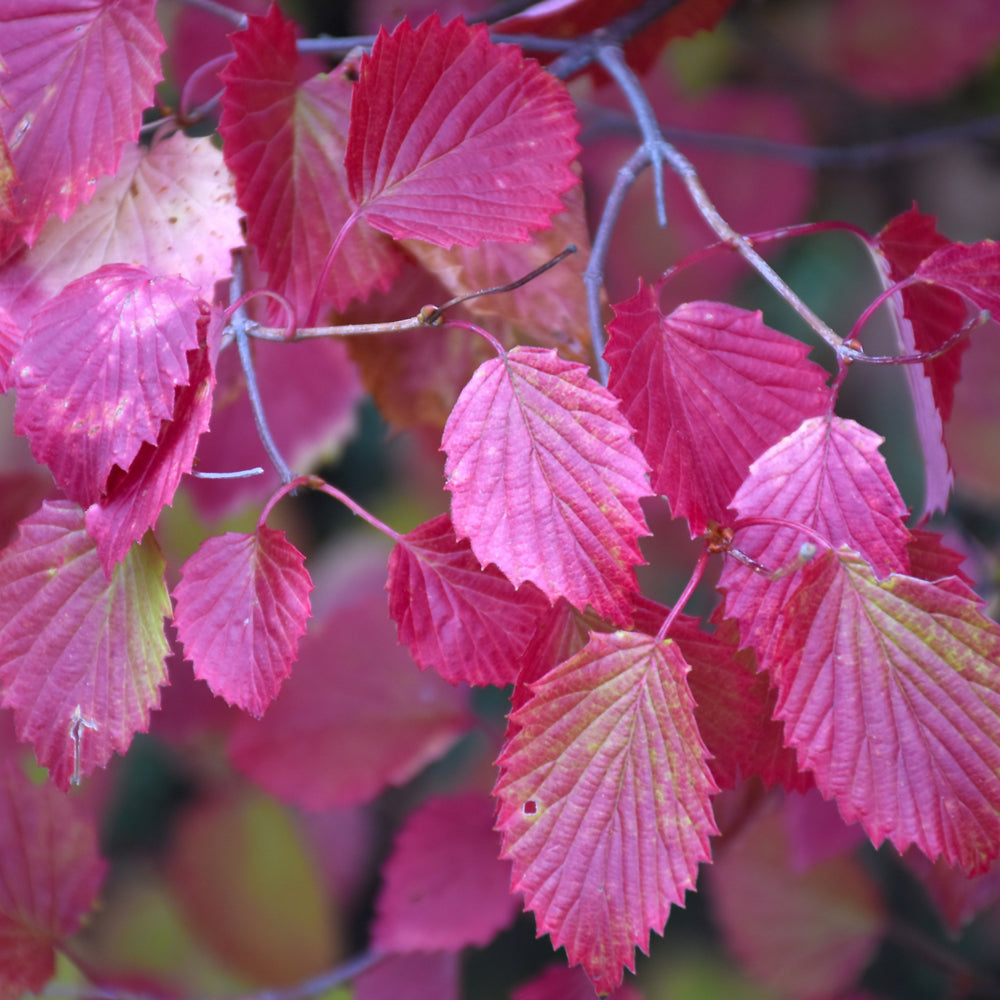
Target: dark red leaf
[(828, 476), (803, 935), (242, 606), (708, 389), (466, 622), (890, 693), (284, 140), (958, 897), (545, 480), (135, 498), (81, 656), (456, 140), (560, 982), (974, 271), (50, 873), (924, 317), (97, 373), (79, 75), (604, 796), (444, 885), (355, 716)]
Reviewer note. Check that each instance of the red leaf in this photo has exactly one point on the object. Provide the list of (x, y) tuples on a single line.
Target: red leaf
[(135, 498), (468, 623), (355, 716), (97, 372), (242, 606), (50, 874), (803, 935), (828, 476), (81, 656), (434, 976), (890, 692), (456, 140), (170, 208), (708, 389), (80, 73), (284, 141), (974, 271), (444, 886), (600, 857), (545, 480), (924, 317), (958, 897)]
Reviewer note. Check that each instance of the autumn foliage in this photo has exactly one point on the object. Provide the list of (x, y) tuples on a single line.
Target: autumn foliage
[(175, 306)]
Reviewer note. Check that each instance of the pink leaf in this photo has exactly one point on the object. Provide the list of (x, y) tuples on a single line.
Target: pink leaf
[(81, 656), (559, 982), (456, 140), (468, 623), (890, 692), (97, 372), (242, 605), (79, 75), (803, 935), (433, 976), (444, 886), (135, 498), (708, 389), (10, 341), (50, 874), (285, 141), (545, 480), (924, 317), (600, 857), (828, 476), (355, 716), (170, 208)]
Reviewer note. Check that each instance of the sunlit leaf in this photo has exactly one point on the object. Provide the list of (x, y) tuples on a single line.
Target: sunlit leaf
[(81, 656), (545, 480), (242, 605), (79, 75), (456, 140), (604, 796), (97, 372), (708, 388)]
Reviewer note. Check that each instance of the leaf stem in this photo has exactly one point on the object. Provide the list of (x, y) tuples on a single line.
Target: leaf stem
[(239, 325), (220, 10), (696, 575)]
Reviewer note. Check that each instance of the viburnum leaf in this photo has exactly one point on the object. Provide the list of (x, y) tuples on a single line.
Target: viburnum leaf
[(242, 606), (560, 982), (50, 874), (924, 317), (170, 208), (546, 481), (972, 270), (417, 976), (708, 389), (804, 935), (97, 372), (284, 141), (958, 898), (134, 499), (466, 622), (355, 716), (890, 693), (79, 75), (828, 476), (443, 886), (81, 656), (930, 559), (604, 793), (10, 341), (456, 140)]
